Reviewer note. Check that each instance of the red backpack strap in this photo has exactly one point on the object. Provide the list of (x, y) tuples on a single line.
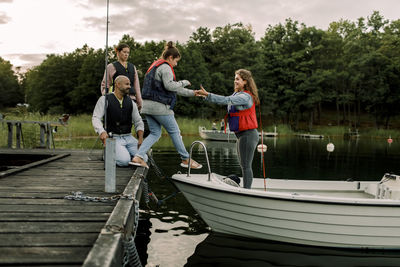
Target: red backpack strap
[(158, 63)]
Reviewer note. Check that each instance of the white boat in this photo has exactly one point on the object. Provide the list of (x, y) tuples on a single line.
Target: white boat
[(219, 135), (347, 214)]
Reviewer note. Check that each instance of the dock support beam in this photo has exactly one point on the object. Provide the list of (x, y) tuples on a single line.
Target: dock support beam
[(110, 180)]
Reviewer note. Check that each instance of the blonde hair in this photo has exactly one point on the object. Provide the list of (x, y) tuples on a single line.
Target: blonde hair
[(250, 84)]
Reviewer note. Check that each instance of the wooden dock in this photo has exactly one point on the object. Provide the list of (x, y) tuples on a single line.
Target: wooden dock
[(38, 226)]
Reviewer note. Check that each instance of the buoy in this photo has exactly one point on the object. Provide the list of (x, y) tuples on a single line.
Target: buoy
[(330, 147), (390, 140), (262, 148)]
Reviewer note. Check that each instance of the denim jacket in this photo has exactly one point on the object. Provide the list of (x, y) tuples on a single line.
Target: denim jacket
[(240, 100)]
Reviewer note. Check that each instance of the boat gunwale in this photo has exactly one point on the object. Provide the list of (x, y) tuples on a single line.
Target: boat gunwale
[(297, 197)]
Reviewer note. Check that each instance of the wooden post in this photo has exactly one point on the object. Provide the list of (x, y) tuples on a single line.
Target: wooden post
[(10, 134), (18, 134), (48, 133), (42, 134), (110, 181)]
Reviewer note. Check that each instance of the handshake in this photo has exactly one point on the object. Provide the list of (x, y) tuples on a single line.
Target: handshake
[(202, 92)]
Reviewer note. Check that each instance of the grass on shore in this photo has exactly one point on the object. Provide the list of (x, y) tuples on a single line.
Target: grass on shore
[(79, 133)]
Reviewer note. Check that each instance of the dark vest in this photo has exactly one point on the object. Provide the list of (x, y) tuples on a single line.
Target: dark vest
[(154, 89), (129, 72), (119, 120)]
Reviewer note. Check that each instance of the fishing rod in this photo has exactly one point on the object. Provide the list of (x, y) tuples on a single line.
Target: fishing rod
[(105, 89), (106, 82)]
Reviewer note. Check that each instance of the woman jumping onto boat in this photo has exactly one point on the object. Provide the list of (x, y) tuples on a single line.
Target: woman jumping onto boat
[(160, 88), (242, 118)]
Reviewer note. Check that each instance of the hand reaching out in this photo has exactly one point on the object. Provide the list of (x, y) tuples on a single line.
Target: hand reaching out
[(202, 92)]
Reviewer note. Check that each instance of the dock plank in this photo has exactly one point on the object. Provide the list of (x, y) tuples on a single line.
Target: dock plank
[(47, 239), (54, 216), (37, 225), (43, 255), (53, 209), (51, 227), (54, 201)]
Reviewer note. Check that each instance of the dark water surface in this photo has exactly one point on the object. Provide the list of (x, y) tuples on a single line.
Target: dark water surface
[(174, 235)]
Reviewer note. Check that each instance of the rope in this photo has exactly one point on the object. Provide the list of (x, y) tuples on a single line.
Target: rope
[(159, 172), (156, 169), (91, 150)]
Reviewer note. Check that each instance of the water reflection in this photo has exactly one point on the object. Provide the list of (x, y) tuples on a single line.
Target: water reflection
[(165, 244), (178, 236), (358, 159), (226, 250)]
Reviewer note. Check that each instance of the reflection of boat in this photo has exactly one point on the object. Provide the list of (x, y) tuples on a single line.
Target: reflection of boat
[(312, 212), (218, 135), (350, 134), (218, 145), (310, 136), (224, 149), (227, 250)]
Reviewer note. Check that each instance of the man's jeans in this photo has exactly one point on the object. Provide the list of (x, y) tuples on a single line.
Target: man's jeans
[(125, 149)]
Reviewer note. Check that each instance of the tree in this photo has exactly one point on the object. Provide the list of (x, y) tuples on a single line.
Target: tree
[(299, 71), (234, 48), (144, 55), (50, 84), (192, 67), (85, 94), (10, 90)]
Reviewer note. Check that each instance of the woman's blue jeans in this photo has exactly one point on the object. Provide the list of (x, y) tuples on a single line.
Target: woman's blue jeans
[(169, 123)]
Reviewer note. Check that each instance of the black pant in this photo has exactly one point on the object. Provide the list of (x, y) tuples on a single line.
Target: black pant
[(246, 145)]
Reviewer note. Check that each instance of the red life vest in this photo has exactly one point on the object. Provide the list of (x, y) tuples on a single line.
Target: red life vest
[(158, 63), (241, 120)]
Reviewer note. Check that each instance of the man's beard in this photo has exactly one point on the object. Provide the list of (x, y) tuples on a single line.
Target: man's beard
[(125, 92)]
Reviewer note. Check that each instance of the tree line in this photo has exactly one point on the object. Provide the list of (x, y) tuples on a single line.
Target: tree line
[(353, 68)]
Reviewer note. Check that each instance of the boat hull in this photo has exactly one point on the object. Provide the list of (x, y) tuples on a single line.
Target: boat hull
[(291, 218)]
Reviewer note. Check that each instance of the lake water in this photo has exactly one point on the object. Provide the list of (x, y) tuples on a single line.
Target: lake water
[(174, 235)]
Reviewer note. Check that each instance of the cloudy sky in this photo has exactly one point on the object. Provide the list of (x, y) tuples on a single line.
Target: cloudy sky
[(30, 29)]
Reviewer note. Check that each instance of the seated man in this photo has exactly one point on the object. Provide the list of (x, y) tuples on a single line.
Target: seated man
[(121, 113)]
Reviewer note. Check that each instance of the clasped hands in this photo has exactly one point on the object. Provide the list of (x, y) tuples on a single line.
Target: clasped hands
[(202, 92)]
